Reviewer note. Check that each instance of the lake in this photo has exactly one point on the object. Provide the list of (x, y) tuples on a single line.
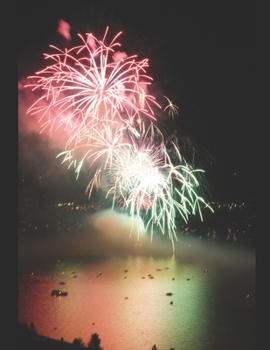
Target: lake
[(117, 287)]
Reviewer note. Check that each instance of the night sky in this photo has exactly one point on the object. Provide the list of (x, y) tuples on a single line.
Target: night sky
[(202, 56)]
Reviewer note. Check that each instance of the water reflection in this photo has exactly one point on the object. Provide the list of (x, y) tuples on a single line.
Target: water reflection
[(120, 290), (124, 300)]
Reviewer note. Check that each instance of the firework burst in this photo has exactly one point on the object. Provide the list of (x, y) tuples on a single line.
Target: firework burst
[(93, 84), (100, 95)]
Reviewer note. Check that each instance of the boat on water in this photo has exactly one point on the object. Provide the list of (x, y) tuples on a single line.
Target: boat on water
[(58, 293)]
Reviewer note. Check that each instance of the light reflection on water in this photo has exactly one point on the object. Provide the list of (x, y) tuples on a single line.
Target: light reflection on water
[(123, 299)]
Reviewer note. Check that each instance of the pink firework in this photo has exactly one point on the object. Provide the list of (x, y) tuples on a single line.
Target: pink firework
[(93, 84)]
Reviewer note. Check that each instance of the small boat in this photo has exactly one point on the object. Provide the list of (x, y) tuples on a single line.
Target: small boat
[(169, 294), (58, 293), (62, 282), (188, 279)]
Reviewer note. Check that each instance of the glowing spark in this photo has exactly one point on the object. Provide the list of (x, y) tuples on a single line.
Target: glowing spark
[(173, 109), (64, 29)]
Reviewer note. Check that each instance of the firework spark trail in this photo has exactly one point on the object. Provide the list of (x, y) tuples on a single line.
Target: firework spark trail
[(172, 108), (101, 95)]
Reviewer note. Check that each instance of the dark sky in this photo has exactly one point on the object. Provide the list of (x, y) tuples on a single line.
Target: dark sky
[(202, 55)]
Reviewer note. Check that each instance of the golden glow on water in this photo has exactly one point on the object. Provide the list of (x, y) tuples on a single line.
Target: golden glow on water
[(123, 299)]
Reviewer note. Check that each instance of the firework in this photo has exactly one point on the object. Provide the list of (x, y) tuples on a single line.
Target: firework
[(100, 95), (171, 107), (93, 84), (144, 182)]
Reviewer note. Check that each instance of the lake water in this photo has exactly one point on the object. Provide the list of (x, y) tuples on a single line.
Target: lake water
[(117, 288)]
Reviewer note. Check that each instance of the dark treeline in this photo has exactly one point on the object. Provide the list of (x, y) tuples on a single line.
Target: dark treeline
[(29, 339)]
